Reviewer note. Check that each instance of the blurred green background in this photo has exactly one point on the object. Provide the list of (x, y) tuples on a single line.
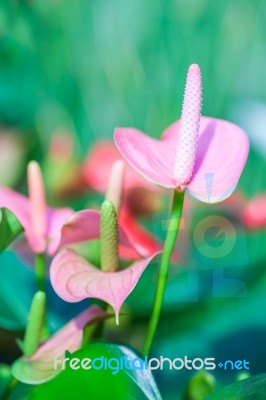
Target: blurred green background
[(85, 67), (94, 65)]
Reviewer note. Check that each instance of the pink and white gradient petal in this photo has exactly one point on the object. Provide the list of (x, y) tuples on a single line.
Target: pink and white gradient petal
[(221, 156), (222, 152)]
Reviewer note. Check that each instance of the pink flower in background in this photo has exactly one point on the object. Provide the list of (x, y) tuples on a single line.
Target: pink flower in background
[(254, 213), (47, 229), (42, 225), (40, 367), (204, 155)]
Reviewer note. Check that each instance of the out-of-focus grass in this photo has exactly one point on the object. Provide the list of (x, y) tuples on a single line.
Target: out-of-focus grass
[(92, 65)]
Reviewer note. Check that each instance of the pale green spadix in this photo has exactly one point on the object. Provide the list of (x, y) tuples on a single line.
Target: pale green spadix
[(35, 324), (109, 237)]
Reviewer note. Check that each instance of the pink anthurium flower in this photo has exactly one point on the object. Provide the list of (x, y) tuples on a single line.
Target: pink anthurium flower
[(203, 155), (42, 225), (48, 229), (47, 361), (74, 279), (254, 213)]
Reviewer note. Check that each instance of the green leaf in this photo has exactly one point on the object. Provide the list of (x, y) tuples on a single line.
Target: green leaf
[(10, 389), (5, 377), (102, 383), (249, 389), (10, 228), (14, 299)]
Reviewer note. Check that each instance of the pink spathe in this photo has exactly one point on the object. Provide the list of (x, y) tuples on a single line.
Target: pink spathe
[(75, 279)]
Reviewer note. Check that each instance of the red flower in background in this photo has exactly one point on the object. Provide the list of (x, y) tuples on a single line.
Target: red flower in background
[(254, 213)]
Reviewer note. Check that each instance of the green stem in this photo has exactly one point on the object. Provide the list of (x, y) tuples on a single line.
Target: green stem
[(40, 277), (169, 244), (40, 271), (11, 385), (88, 333)]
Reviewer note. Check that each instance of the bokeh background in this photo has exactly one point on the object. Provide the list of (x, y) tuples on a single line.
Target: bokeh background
[(79, 69)]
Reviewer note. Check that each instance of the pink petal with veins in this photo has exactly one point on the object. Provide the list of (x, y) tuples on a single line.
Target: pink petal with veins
[(74, 279)]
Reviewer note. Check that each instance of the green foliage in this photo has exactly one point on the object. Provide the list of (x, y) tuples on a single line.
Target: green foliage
[(253, 388), (103, 383), (10, 228), (67, 65), (5, 377), (14, 299)]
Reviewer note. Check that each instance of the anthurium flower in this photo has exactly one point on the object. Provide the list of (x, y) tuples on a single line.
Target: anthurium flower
[(48, 229), (254, 213), (74, 279), (201, 154), (42, 225), (40, 367)]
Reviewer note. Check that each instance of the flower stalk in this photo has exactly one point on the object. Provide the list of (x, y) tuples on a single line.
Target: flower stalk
[(169, 244)]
